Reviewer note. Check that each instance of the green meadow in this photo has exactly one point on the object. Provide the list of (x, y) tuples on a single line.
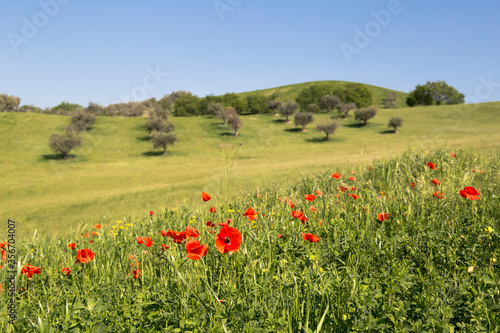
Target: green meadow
[(117, 175)]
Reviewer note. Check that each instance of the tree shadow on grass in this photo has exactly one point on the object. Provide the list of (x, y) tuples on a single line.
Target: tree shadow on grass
[(356, 125), (294, 129), (57, 157), (278, 121), (323, 139), (387, 132), (144, 138), (228, 134), (154, 153)]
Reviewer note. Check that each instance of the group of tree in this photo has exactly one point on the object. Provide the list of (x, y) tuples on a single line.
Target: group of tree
[(345, 93), (434, 93), (228, 115), (9, 103), (159, 128)]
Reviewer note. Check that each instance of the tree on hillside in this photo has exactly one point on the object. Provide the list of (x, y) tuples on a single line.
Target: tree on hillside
[(65, 108), (365, 114), (186, 105), (438, 92), (64, 143), (81, 120), (330, 102), (303, 118), (256, 103), (344, 108), (217, 109), (313, 108), (9, 103), (390, 100), (355, 93), (274, 106), (288, 109), (328, 128), (395, 122), (163, 140), (234, 121)]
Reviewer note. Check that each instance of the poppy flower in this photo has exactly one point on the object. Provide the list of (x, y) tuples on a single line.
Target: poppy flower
[(354, 189), (139, 240), (66, 271), (303, 219), (280, 236), (94, 233), (336, 175), (148, 242), (297, 214), (412, 185), (29, 270), (164, 233), (313, 209), (72, 246), (180, 237), (343, 188), (435, 182), (250, 213), (224, 224), (382, 217), (195, 250), (205, 196), (439, 195), (292, 204), (470, 193), (97, 226), (370, 168), (310, 197), (319, 193), (352, 179), (213, 210), (132, 257), (151, 213), (210, 224), (453, 155), (432, 166), (164, 247), (4, 255), (228, 240), (354, 196), (137, 273), (4, 245), (192, 232), (85, 235), (84, 256), (310, 237)]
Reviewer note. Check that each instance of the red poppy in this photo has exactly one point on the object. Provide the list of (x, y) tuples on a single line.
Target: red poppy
[(4, 254), (139, 240), (354, 196), (192, 232), (148, 242), (343, 188), (432, 166), (292, 204), (412, 185), (195, 250), (313, 209), (354, 189), (383, 216), (336, 175), (310, 197), (470, 193), (72, 246), (97, 226), (280, 236), (453, 155), (250, 213), (205, 196), (319, 193), (224, 224), (4, 245), (163, 233), (228, 240), (352, 179), (84, 256), (439, 195), (370, 168), (435, 182), (213, 210), (151, 213), (164, 247), (303, 219), (210, 224), (85, 234), (29, 270), (137, 273), (180, 237), (94, 233), (382, 193), (310, 237), (66, 271), (297, 214)]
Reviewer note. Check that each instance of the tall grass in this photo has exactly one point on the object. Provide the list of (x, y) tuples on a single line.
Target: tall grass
[(431, 266)]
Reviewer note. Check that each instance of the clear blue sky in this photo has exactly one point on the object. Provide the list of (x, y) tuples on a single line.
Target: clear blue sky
[(103, 51)]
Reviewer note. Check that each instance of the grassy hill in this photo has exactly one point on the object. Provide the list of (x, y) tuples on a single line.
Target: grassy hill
[(290, 92), (116, 175)]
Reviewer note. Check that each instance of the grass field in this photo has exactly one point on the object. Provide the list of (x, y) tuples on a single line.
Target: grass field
[(397, 248), (116, 175)]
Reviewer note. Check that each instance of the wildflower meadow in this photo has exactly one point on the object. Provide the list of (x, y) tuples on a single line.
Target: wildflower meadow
[(407, 244)]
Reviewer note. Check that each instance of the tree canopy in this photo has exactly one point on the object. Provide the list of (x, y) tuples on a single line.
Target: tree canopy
[(434, 93)]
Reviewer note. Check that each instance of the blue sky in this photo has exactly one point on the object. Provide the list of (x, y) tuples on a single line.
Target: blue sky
[(109, 51)]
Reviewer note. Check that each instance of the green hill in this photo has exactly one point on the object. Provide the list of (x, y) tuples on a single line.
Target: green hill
[(290, 92), (115, 174)]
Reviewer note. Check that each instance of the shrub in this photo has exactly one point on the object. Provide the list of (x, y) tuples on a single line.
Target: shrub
[(395, 122), (64, 143), (303, 118), (365, 114), (328, 127)]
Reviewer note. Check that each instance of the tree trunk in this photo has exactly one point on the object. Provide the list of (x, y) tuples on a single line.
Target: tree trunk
[(396, 130), (327, 137), (235, 132), (164, 150), (65, 156)]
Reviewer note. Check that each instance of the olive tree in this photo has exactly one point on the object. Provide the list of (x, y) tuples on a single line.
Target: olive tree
[(8, 103), (330, 102), (274, 106), (163, 140), (344, 108), (314, 108), (234, 121), (288, 109), (303, 118), (390, 100), (328, 128), (81, 120), (365, 114), (64, 143), (395, 122)]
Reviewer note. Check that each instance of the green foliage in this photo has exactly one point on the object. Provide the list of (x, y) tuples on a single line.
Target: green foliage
[(257, 103), (65, 108), (303, 118), (9, 103), (348, 93), (186, 105), (274, 106), (391, 100), (330, 102), (288, 109), (431, 266), (64, 143), (365, 114), (81, 120), (438, 92)]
